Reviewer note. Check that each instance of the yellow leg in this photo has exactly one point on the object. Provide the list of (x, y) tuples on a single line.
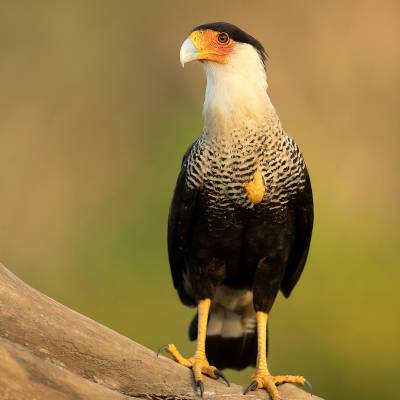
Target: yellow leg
[(262, 377), (198, 363)]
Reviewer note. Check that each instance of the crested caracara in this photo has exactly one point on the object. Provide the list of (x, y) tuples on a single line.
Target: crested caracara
[(241, 217)]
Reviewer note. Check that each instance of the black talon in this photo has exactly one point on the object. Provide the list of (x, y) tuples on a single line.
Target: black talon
[(162, 348), (219, 374), (200, 385), (308, 384), (252, 386)]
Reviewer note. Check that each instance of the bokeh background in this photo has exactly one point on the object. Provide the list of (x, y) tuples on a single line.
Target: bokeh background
[(95, 114)]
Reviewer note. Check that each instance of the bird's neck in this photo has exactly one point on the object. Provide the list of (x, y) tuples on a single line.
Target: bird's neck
[(236, 97)]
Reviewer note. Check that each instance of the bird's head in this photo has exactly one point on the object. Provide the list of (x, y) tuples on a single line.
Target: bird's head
[(219, 42), (234, 62)]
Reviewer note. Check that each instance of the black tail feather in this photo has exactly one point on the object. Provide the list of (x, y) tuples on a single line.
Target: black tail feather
[(223, 351), (234, 353)]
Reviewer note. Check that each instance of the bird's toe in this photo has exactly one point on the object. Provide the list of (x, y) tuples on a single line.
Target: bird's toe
[(176, 355), (264, 380)]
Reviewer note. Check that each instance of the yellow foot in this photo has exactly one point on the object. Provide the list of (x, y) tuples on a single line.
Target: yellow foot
[(198, 364), (264, 380)]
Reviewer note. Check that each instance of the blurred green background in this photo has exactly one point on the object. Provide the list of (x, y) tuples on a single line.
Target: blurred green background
[(95, 114)]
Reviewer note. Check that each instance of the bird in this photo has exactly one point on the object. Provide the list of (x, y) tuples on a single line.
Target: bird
[(241, 216)]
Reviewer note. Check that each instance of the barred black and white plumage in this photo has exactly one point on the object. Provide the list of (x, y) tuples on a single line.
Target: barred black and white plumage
[(223, 245), (221, 166)]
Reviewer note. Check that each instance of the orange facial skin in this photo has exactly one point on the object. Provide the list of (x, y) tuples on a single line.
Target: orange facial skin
[(209, 48)]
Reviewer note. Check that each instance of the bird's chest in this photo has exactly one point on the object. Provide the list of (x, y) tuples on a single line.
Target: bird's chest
[(250, 172), (235, 176)]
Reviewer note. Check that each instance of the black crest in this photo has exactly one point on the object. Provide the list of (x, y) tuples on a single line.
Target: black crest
[(236, 34)]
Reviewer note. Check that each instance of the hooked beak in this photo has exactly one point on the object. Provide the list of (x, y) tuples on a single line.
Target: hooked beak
[(188, 52), (203, 46)]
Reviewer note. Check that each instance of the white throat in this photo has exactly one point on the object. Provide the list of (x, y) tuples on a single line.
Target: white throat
[(236, 93)]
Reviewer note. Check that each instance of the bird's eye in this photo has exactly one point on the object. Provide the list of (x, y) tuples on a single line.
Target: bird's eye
[(223, 38)]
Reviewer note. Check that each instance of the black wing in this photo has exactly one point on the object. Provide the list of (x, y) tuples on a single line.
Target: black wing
[(179, 226), (304, 217)]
